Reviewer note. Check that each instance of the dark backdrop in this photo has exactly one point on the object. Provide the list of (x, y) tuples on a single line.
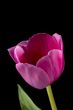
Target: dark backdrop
[(9, 77)]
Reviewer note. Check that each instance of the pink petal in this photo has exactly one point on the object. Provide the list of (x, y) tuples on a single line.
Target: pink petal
[(20, 54), (52, 64), (34, 76), (59, 40), (39, 45), (11, 52), (23, 44)]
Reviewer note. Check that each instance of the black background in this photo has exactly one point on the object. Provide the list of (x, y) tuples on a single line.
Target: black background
[(9, 77)]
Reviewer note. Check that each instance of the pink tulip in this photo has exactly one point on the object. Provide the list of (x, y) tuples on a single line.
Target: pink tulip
[(39, 60)]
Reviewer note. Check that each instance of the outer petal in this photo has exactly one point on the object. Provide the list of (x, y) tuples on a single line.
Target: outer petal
[(39, 45), (53, 64), (19, 54), (23, 44), (11, 52), (59, 40), (33, 75)]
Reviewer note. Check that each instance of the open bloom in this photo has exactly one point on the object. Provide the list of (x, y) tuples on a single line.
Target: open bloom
[(39, 60)]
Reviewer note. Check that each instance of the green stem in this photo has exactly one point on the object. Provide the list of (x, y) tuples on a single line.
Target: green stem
[(51, 98)]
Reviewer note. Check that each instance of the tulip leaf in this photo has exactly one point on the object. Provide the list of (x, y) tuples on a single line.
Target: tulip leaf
[(25, 101)]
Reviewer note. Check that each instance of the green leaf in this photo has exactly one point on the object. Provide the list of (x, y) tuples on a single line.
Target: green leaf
[(25, 102)]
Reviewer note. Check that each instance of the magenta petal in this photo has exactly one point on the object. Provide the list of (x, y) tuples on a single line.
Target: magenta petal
[(19, 54), (11, 52), (39, 45), (33, 75), (23, 44), (59, 40), (52, 64)]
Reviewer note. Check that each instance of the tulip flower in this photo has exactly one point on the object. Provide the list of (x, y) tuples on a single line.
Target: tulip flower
[(39, 60)]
